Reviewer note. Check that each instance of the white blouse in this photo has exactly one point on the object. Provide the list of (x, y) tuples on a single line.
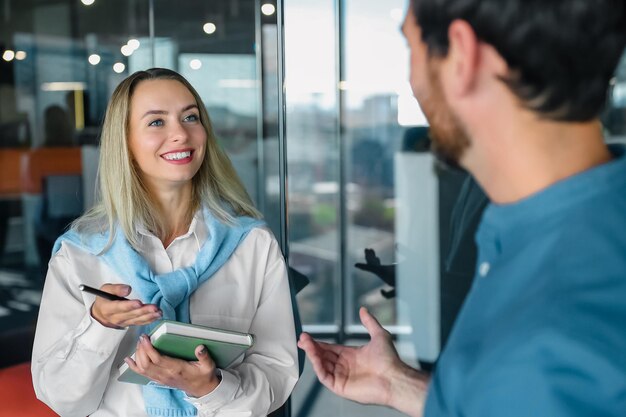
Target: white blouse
[(75, 358)]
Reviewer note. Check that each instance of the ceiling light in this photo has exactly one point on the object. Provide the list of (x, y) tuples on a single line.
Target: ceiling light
[(127, 50), (94, 59), (134, 43), (119, 67), (268, 9), (209, 28), (63, 86), (87, 2), (20, 55), (8, 55), (195, 64)]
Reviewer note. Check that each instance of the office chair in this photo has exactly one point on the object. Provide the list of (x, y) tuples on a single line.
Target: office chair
[(37, 165), (62, 202)]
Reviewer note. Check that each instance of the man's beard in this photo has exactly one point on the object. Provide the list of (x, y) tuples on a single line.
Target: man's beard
[(449, 139)]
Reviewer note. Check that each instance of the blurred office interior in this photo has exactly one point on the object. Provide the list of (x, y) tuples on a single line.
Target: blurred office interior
[(311, 101)]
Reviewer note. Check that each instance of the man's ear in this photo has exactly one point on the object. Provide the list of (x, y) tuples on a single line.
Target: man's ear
[(463, 59)]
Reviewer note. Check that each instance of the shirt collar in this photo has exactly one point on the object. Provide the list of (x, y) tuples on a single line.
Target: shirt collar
[(561, 195), (516, 220), (197, 229)]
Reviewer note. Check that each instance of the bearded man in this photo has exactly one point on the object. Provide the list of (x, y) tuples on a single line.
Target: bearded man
[(513, 90)]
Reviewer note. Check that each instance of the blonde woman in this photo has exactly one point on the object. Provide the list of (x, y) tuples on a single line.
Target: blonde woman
[(176, 233)]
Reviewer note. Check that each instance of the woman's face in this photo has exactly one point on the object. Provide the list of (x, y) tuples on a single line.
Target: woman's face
[(166, 139)]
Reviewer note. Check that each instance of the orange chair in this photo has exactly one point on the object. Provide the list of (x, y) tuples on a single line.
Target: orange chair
[(16, 386), (10, 181), (10, 189), (18, 395), (39, 163)]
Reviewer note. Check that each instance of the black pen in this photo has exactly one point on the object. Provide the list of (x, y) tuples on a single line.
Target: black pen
[(101, 293)]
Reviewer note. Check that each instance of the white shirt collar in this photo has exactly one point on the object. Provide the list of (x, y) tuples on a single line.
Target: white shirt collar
[(197, 229)]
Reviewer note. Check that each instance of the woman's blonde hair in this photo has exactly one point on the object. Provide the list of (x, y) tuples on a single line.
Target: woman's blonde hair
[(123, 200)]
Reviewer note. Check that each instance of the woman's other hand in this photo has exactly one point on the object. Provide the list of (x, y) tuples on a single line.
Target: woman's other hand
[(195, 378)]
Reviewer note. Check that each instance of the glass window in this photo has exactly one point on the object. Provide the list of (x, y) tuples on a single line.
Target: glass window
[(313, 158), (374, 55), (60, 62), (399, 199)]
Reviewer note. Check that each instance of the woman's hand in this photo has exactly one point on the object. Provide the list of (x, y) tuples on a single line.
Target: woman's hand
[(117, 314), (196, 378)]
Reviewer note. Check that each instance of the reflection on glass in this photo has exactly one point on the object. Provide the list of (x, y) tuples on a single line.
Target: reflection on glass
[(377, 102), (399, 198), (228, 87), (65, 61), (312, 155), (215, 52)]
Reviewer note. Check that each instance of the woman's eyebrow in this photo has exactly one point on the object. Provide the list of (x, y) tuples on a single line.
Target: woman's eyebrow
[(151, 112)]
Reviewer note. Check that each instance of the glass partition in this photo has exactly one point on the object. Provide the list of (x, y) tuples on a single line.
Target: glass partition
[(313, 158), (372, 48), (372, 212), (60, 61)]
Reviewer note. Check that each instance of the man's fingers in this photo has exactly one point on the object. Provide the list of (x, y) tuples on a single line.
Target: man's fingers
[(329, 355), (321, 369), (325, 360), (329, 366), (307, 343), (371, 324)]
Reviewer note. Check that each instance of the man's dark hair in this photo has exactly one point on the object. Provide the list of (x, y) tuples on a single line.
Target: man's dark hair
[(562, 54)]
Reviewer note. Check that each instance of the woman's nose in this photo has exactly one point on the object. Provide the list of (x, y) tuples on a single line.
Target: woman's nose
[(178, 132)]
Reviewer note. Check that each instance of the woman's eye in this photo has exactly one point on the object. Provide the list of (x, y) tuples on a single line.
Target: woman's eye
[(157, 122), (192, 118)]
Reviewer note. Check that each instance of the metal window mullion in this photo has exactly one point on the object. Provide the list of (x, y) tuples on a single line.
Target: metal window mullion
[(341, 298), (151, 32), (282, 132), (258, 34)]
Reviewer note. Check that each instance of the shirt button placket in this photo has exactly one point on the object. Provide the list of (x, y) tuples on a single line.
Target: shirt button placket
[(483, 269)]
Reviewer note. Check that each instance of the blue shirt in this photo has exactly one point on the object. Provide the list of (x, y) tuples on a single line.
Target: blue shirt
[(543, 330)]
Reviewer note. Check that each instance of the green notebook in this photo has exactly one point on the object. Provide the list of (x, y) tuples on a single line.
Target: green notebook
[(179, 340)]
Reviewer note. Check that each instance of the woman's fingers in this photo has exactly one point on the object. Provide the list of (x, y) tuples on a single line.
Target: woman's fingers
[(127, 313), (118, 289), (205, 361), (138, 317), (147, 357)]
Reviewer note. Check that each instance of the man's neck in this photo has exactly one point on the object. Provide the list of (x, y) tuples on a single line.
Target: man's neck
[(521, 157)]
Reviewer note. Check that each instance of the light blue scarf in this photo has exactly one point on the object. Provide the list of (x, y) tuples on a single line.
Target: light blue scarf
[(169, 291)]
